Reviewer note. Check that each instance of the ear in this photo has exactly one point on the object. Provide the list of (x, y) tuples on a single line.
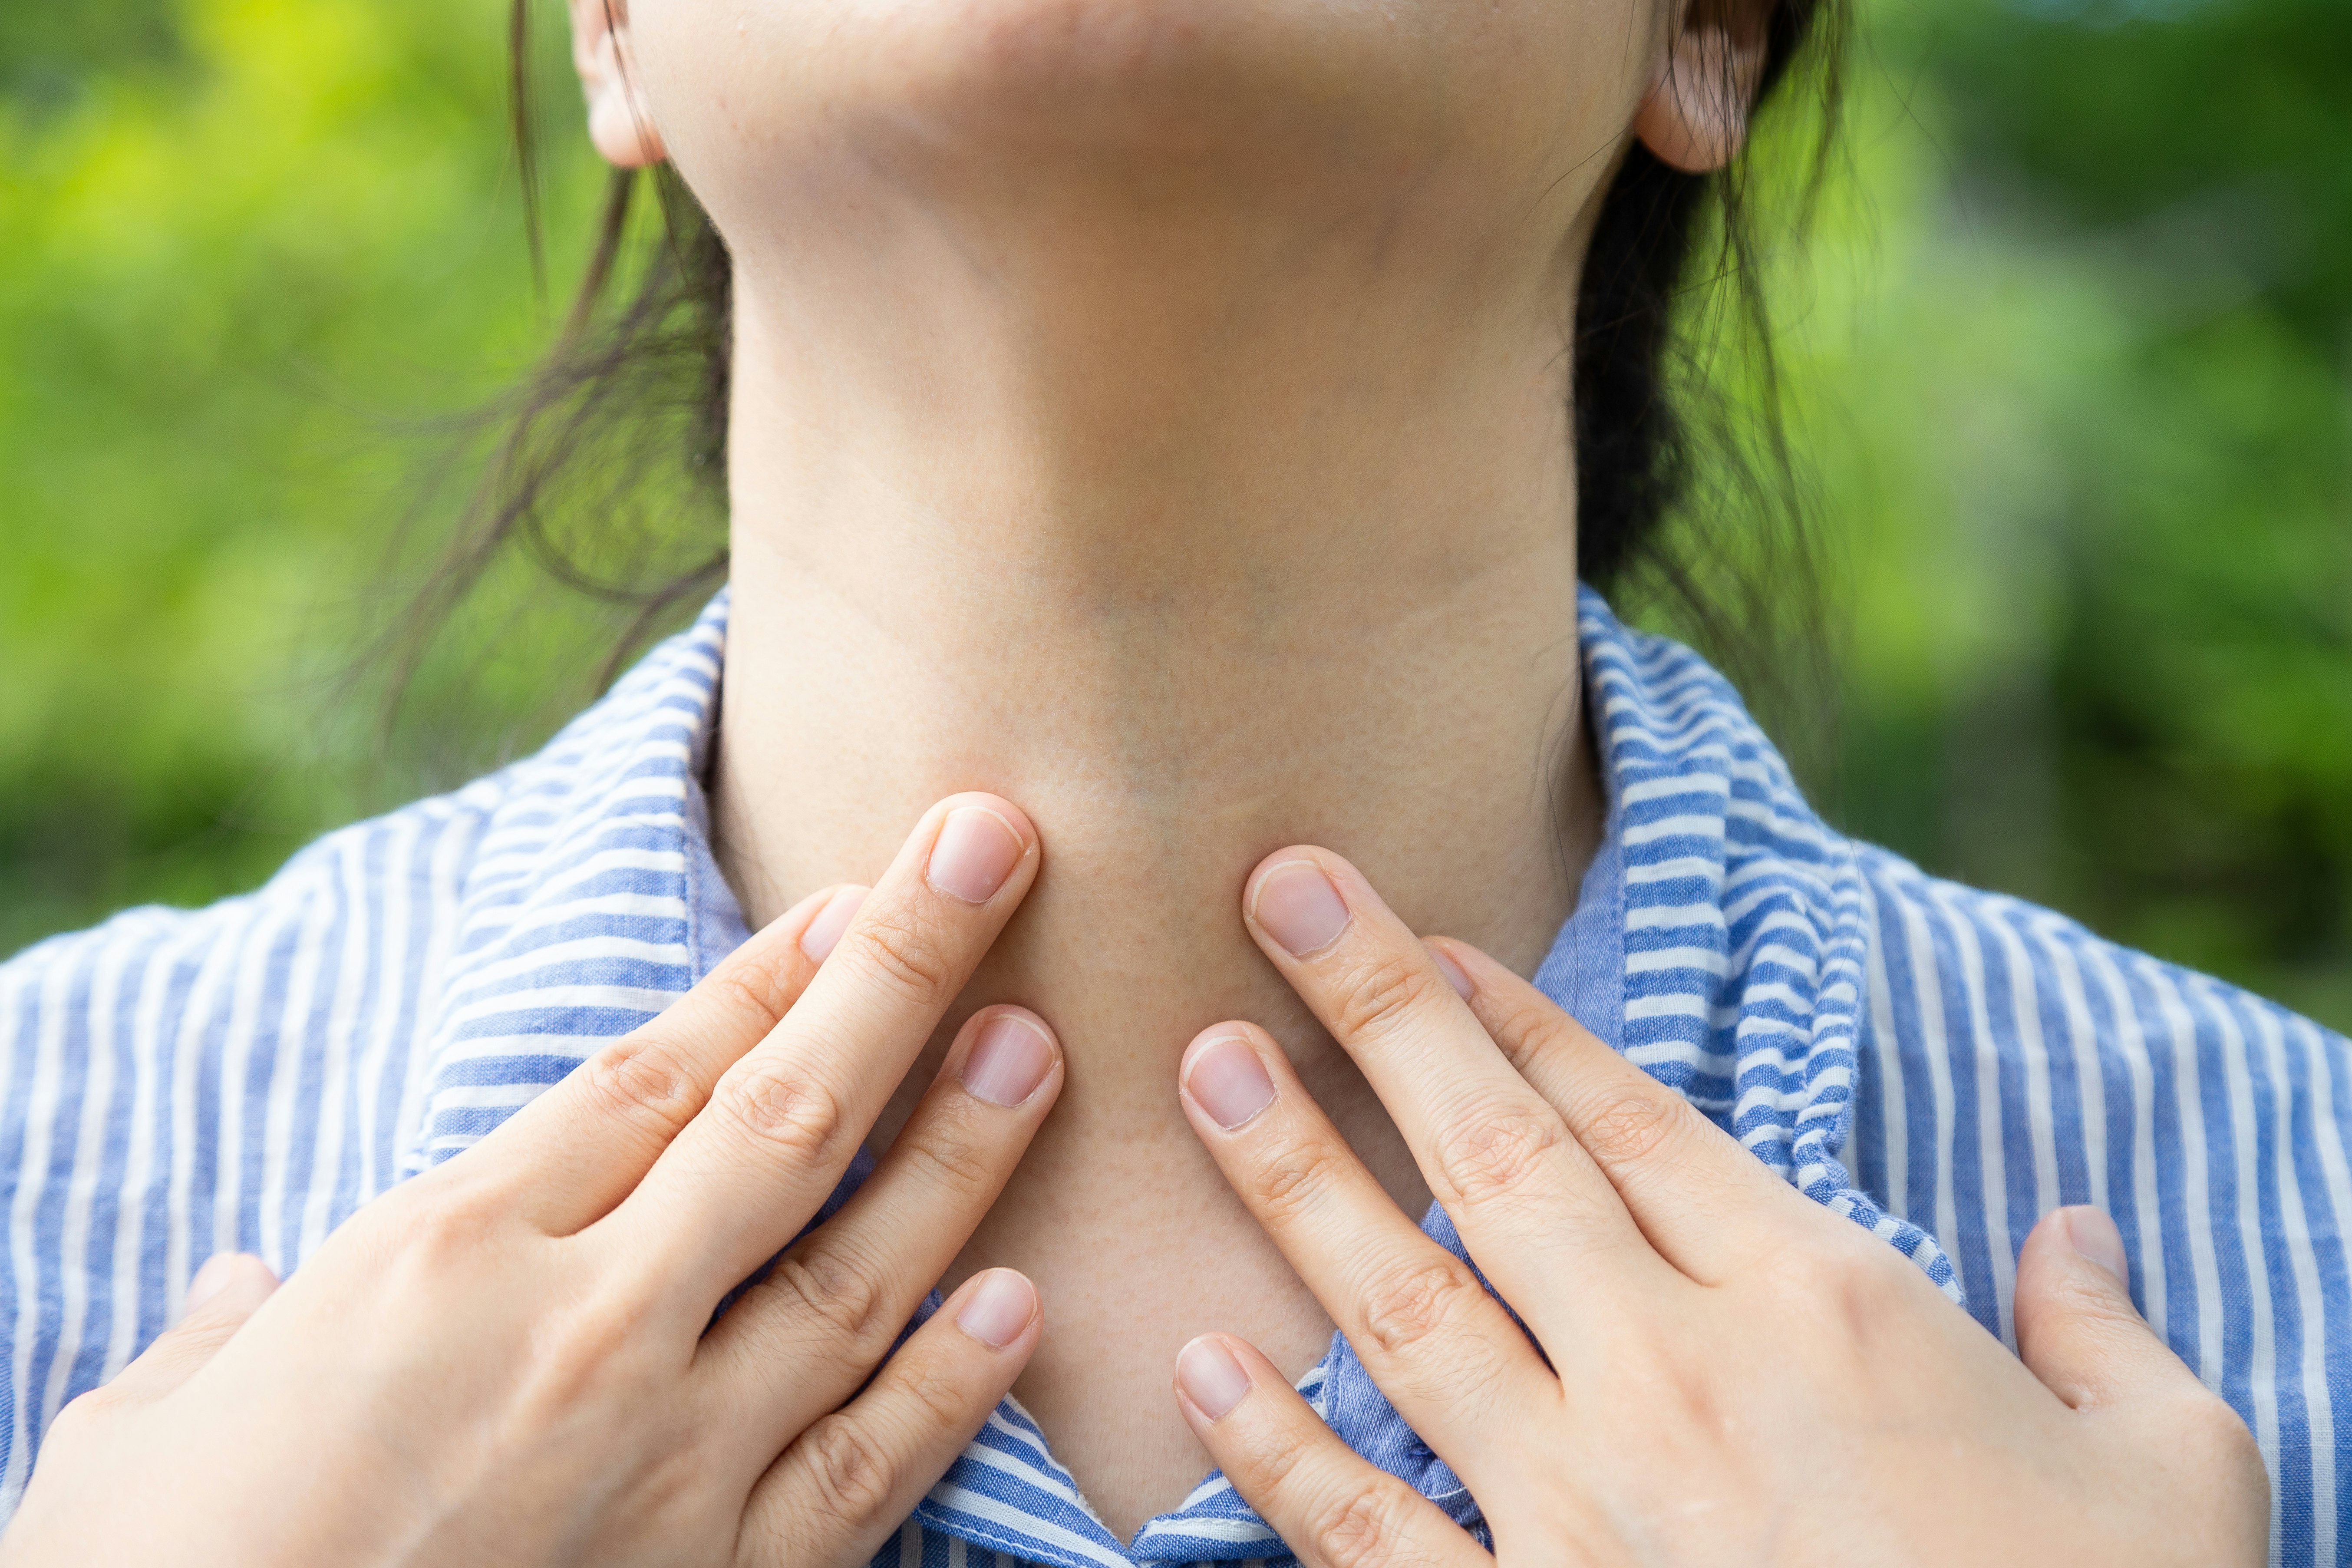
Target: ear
[(618, 121), (1696, 118)]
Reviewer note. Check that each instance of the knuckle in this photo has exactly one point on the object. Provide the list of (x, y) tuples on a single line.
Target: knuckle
[(1405, 1307), (838, 1292), (641, 1081), (595, 1346), (1356, 1526), (2094, 1308), (452, 1227), (83, 1412), (937, 1395), (1384, 991), (1526, 1037), (1854, 1288), (849, 1473), (908, 951), (1293, 1179), (1269, 1462), (1626, 1123), (1491, 1155), (756, 985), (954, 1156), (778, 1106)]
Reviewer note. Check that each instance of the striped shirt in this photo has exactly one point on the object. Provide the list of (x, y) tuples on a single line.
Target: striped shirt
[(1942, 1065)]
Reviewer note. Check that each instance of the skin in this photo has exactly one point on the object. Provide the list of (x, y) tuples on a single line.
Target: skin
[(504, 1359), (1154, 412), (1714, 1370)]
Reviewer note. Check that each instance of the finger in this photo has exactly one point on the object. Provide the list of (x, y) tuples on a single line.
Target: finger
[(784, 1122), (1705, 1204), (1447, 1357), (222, 1296), (1531, 1206), (578, 1149), (850, 1479), (797, 1342), (1331, 1507), (2078, 1331), (2076, 1326)]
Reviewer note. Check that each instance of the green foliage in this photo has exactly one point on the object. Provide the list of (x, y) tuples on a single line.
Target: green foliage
[(2094, 470), (225, 282), (49, 54), (2067, 362)]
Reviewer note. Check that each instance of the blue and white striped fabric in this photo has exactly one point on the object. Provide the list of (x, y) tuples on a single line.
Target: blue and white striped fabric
[(1941, 1065)]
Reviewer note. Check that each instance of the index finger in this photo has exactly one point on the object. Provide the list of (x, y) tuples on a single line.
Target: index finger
[(1447, 1357), (1707, 1204), (578, 1149), (1529, 1203), (784, 1122)]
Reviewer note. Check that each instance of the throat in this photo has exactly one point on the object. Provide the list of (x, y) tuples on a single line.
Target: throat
[(1263, 579), (1163, 750)]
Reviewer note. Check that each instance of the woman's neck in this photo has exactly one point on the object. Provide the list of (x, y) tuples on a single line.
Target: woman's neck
[(1252, 564)]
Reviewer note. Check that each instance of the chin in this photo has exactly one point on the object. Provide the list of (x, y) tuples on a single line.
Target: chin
[(1132, 89)]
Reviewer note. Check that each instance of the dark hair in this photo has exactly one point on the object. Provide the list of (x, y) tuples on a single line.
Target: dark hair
[(1633, 454), (637, 383)]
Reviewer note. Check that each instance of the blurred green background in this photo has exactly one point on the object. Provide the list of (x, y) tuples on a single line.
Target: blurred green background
[(2069, 359)]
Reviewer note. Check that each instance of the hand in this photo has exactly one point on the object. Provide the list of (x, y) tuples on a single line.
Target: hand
[(1721, 1371), (505, 1359)]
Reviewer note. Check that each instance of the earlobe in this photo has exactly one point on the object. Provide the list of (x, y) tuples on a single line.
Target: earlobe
[(619, 123), (1695, 116)]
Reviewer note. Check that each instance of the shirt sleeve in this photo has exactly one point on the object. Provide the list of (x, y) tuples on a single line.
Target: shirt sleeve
[(177, 1083), (2015, 1063)]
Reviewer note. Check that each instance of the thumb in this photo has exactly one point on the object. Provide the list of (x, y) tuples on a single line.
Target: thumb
[(2076, 1326), (2078, 1331), (222, 1296)]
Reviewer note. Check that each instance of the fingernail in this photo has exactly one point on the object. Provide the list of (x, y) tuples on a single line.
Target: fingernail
[(999, 1310), (2095, 1235), (1228, 1081), (1211, 1377), (1298, 906), (824, 933), (218, 1270), (976, 851), (1452, 972), (1008, 1061)]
